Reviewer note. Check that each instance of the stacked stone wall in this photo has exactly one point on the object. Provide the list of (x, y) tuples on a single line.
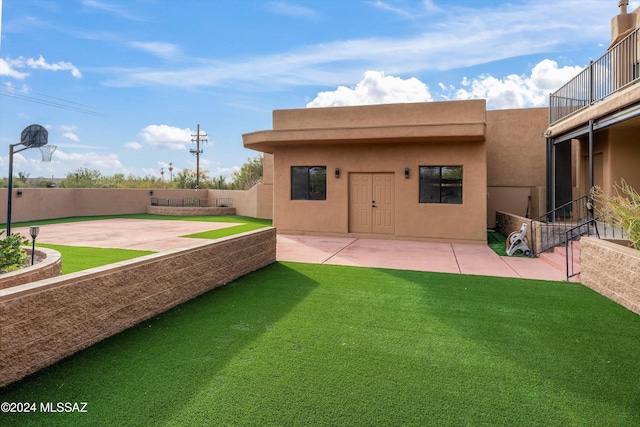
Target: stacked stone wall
[(49, 266), (45, 321), (612, 270)]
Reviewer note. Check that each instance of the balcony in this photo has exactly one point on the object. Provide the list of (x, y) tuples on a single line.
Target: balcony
[(618, 69)]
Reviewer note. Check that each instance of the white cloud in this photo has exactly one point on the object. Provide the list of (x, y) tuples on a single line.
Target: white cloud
[(375, 88), (405, 10), (518, 91), (166, 137), (160, 49), (63, 163), (72, 136), (134, 145), (512, 91), (68, 128), (293, 10), (42, 64), (106, 7), (7, 70), (462, 37)]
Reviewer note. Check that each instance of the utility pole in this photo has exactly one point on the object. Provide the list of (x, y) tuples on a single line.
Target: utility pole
[(197, 138)]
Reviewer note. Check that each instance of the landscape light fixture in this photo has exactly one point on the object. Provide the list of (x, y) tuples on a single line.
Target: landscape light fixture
[(33, 230)]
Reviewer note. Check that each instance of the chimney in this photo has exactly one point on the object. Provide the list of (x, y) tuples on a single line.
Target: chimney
[(623, 4), (622, 24)]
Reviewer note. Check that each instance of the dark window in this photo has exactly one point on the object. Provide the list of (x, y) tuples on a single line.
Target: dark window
[(308, 183), (441, 184)]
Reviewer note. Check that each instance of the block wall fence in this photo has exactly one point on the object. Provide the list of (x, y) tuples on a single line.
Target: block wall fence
[(45, 321), (48, 203)]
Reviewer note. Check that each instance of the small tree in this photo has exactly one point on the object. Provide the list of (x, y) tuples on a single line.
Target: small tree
[(249, 174), (622, 207), (82, 178), (186, 178)]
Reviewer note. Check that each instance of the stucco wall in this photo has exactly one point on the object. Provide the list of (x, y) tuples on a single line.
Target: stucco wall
[(611, 270), (516, 161), (48, 203), (379, 115), (45, 321), (464, 222)]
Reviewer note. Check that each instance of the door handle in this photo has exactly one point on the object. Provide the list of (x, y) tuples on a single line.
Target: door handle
[(373, 204)]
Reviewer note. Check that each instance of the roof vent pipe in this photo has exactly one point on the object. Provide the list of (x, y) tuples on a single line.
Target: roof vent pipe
[(622, 4)]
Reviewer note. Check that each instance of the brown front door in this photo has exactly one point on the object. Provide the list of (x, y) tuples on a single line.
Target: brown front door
[(371, 204)]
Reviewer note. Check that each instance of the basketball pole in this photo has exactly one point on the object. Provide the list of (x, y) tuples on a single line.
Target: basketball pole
[(10, 185)]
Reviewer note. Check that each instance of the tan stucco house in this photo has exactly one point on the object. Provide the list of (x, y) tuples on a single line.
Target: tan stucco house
[(433, 171), (594, 131)]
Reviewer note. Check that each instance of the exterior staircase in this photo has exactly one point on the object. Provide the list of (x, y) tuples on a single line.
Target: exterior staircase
[(557, 258)]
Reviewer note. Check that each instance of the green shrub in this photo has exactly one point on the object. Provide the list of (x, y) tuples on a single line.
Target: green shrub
[(12, 256), (622, 207)]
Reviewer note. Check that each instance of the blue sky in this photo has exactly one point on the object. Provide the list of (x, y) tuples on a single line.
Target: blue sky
[(122, 84)]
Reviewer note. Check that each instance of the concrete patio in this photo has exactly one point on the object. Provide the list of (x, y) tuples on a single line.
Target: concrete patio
[(161, 235), (409, 255)]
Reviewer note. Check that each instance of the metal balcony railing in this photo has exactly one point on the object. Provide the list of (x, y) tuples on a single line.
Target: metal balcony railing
[(615, 70)]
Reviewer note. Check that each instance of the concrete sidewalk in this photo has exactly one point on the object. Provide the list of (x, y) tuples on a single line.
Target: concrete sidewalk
[(408, 255)]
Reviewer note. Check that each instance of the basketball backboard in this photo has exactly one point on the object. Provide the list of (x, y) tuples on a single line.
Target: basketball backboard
[(34, 136)]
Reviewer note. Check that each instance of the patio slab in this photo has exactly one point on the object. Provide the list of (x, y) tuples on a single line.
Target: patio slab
[(124, 233), (160, 235), (410, 255)]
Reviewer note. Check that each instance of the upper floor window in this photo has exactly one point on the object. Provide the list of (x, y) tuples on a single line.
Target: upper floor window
[(308, 183), (441, 184)]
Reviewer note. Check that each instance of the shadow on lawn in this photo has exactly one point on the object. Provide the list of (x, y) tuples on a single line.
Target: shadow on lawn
[(150, 372), (535, 351)]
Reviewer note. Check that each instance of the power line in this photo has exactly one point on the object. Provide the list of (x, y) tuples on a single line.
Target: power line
[(62, 105)]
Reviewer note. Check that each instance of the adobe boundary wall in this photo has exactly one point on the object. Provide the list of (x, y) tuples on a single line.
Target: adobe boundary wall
[(45, 321), (31, 204), (50, 266), (611, 270)]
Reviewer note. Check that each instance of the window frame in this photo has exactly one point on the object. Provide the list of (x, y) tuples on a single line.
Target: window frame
[(295, 193), (424, 180)]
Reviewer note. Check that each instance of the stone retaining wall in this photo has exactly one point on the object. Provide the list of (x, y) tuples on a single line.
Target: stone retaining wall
[(43, 322), (611, 270), (507, 223), (49, 266), (190, 211)]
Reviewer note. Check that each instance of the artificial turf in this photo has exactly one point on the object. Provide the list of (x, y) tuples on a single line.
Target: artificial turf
[(77, 258), (301, 344), (497, 242)]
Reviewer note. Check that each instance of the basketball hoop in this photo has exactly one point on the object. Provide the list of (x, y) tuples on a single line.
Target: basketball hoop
[(47, 151)]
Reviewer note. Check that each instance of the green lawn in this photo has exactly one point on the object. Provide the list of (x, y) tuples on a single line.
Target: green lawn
[(301, 344), (77, 258)]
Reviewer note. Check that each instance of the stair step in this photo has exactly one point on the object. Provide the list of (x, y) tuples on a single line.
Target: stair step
[(558, 260), (555, 260)]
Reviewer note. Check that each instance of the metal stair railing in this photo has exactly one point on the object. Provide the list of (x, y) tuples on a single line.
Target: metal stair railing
[(549, 230), (592, 226)]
